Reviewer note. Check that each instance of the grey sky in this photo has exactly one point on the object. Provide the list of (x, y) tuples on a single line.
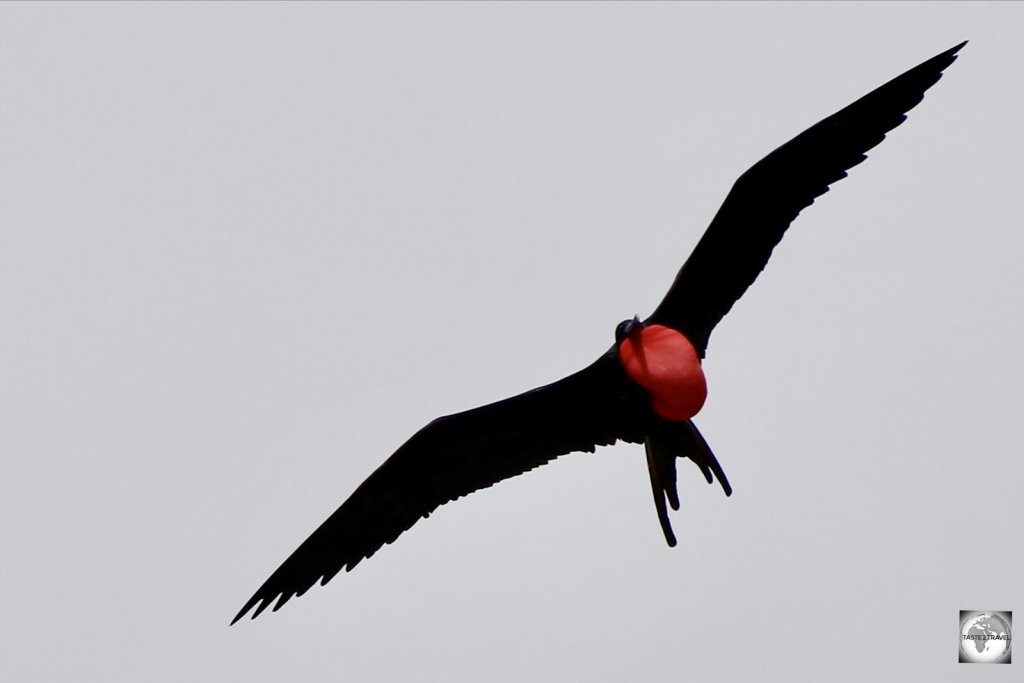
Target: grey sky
[(248, 249)]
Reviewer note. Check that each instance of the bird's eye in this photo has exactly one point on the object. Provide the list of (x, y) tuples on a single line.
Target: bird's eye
[(622, 330)]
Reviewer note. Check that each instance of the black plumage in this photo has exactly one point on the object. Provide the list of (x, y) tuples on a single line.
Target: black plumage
[(599, 405)]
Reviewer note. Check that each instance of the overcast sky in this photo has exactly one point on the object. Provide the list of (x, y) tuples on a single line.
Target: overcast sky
[(248, 249)]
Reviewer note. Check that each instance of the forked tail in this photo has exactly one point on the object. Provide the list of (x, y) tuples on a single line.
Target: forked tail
[(678, 440)]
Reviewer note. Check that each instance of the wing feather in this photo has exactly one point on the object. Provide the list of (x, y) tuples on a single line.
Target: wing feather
[(454, 456), (766, 199)]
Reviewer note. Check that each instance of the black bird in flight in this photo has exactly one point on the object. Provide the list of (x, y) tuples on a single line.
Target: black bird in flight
[(644, 389)]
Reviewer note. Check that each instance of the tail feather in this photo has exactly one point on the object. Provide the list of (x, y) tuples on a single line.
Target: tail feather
[(700, 453), (661, 465), (678, 440)]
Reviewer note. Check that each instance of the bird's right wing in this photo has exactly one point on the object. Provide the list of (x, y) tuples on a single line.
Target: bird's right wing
[(452, 457), (766, 199)]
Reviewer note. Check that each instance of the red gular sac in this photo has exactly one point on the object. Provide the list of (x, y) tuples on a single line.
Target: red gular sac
[(664, 362)]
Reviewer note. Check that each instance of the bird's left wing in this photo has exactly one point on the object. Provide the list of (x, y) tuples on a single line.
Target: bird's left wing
[(766, 199), (454, 456)]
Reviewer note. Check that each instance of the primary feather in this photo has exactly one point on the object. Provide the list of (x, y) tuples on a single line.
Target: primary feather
[(766, 199)]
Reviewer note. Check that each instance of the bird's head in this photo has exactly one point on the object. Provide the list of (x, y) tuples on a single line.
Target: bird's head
[(626, 328)]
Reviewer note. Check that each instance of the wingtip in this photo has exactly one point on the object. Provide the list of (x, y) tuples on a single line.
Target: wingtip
[(937, 65), (241, 613), (949, 56), (951, 53), (261, 603)]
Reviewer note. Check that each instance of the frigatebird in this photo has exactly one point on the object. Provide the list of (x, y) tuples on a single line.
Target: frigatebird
[(645, 389)]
